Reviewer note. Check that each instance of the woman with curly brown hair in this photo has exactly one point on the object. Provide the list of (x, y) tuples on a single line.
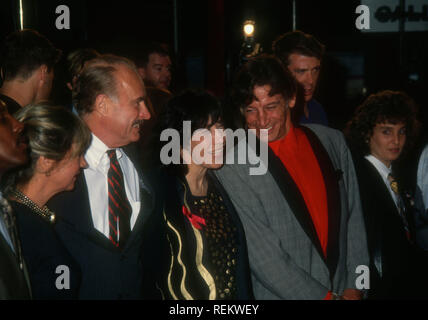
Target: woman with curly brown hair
[(381, 130)]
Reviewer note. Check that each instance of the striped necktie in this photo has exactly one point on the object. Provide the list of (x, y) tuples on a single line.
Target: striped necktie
[(118, 205), (400, 204)]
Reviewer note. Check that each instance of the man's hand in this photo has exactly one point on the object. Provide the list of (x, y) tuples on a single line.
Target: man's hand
[(352, 294)]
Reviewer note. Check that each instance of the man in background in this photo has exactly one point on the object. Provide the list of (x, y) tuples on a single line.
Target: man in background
[(302, 54), (154, 66), (27, 61)]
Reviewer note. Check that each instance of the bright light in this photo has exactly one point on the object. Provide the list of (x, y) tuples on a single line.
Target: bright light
[(21, 15), (249, 28)]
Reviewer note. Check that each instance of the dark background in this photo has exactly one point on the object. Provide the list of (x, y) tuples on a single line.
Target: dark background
[(209, 36)]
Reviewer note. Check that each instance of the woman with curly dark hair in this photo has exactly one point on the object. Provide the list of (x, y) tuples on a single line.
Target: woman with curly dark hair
[(381, 130)]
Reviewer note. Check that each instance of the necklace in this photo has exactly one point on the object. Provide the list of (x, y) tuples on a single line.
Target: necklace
[(44, 212)]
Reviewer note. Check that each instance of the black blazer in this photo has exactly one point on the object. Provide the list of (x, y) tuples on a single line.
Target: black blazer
[(395, 264), (13, 284), (43, 252), (107, 271), (184, 243)]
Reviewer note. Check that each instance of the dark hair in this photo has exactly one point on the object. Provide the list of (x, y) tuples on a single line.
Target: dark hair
[(199, 107), (142, 57), (98, 77), (24, 51), (76, 61), (297, 42), (266, 70), (383, 107)]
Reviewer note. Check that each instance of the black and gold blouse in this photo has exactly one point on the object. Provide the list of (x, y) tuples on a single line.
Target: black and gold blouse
[(220, 235), (208, 257)]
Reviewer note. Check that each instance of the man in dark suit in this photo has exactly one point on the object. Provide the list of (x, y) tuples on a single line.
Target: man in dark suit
[(111, 222), (14, 282), (302, 218)]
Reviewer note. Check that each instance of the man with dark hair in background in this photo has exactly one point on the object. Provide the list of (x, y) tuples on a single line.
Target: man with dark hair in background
[(154, 65), (302, 54), (27, 61)]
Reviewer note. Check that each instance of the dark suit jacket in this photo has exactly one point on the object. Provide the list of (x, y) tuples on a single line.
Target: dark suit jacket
[(43, 252), (395, 264), (14, 283), (107, 271)]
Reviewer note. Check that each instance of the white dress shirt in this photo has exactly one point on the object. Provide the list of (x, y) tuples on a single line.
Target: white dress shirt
[(384, 172), (96, 180)]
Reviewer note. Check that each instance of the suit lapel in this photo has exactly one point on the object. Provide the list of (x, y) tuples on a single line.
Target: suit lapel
[(147, 201), (331, 177), (292, 195), (73, 207), (147, 194)]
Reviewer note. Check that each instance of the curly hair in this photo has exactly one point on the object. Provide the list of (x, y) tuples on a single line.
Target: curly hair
[(383, 107)]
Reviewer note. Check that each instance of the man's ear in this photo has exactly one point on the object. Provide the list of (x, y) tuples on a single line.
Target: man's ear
[(102, 104), (40, 76), (292, 102), (43, 72)]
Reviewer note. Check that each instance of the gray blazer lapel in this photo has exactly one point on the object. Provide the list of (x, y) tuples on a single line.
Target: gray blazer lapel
[(291, 193), (331, 177)]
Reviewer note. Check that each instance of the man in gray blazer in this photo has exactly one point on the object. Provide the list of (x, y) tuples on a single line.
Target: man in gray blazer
[(302, 218)]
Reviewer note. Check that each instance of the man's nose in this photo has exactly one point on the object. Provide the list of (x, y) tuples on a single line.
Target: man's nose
[(17, 126), (144, 111), (166, 73), (83, 163), (263, 119), (309, 79)]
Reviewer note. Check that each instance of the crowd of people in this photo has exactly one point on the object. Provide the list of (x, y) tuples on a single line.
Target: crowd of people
[(88, 209)]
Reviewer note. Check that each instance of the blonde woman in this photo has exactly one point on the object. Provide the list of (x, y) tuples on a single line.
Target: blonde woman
[(57, 141)]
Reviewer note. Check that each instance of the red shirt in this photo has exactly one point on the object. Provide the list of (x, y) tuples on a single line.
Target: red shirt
[(296, 154)]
